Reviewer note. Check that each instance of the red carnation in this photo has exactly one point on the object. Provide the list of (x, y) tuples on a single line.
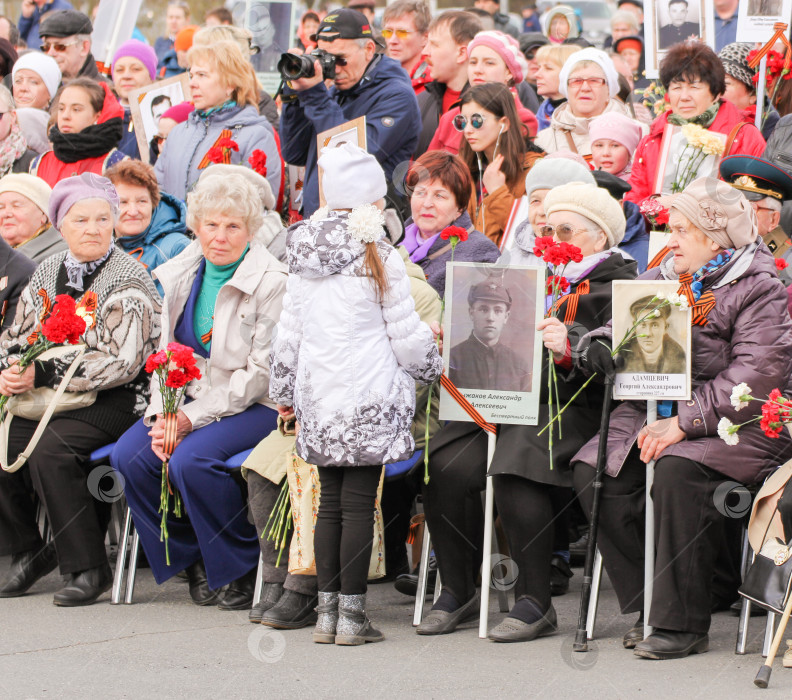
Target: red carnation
[(63, 325), (215, 154), (541, 244), (156, 360), (781, 264), (258, 162), (176, 379), (454, 231), (227, 143), (557, 283)]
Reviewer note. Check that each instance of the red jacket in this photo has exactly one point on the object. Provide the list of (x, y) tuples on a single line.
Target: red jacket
[(420, 75), (447, 138), (749, 141)]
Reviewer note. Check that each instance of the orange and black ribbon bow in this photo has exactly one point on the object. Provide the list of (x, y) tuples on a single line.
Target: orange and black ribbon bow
[(701, 308)]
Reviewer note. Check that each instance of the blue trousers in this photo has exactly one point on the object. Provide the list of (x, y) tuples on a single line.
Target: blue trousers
[(216, 526)]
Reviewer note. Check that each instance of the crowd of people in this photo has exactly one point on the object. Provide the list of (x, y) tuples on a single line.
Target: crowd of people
[(308, 284)]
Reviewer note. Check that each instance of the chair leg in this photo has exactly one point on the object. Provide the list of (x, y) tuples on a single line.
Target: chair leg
[(123, 544), (259, 581), (423, 578), (133, 558), (745, 611), (596, 581), (769, 633)]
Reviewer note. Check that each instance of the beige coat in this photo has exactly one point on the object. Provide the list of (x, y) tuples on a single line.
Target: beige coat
[(248, 307), (553, 138)]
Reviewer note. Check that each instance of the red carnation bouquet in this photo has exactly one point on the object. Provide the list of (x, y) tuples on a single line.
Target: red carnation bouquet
[(62, 325), (455, 235), (175, 368), (557, 255)]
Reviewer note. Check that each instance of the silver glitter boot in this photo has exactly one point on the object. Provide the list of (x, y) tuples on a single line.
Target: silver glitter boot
[(325, 631), (353, 627)]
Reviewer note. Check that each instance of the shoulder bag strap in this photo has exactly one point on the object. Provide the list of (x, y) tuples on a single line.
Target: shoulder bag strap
[(440, 252), (45, 419), (732, 136)]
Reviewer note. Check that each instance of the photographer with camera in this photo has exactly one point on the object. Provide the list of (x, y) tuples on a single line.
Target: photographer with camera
[(366, 83)]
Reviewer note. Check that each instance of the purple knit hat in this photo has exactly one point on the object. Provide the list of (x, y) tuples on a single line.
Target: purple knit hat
[(73, 189), (142, 52)]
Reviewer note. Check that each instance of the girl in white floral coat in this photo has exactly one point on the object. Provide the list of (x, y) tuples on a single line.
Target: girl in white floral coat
[(348, 350)]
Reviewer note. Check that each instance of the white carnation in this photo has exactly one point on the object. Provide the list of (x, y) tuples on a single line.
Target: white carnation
[(727, 431), (740, 391), (683, 304), (660, 296), (365, 223), (674, 299), (320, 213)]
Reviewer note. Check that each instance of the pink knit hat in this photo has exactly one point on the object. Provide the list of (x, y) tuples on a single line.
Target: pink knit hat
[(507, 48), (616, 127)]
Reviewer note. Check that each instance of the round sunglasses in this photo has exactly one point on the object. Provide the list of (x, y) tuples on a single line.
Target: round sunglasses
[(460, 121)]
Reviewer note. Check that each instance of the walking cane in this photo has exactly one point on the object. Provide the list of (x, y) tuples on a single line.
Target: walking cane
[(762, 679), (581, 636)]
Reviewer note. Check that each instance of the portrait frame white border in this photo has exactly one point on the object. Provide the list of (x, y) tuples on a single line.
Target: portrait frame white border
[(651, 58), (528, 400)]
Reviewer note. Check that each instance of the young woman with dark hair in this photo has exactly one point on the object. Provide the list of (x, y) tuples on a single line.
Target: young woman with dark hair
[(496, 153)]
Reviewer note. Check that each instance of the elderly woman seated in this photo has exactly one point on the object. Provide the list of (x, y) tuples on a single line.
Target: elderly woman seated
[(121, 309), (223, 298), (741, 333), (24, 217), (525, 484), (151, 223), (441, 187), (15, 154)]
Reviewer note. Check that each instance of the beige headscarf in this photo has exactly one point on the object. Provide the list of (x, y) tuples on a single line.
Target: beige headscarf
[(718, 210)]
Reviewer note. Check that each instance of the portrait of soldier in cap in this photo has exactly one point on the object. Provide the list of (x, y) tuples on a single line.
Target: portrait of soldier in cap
[(482, 361), (653, 350)]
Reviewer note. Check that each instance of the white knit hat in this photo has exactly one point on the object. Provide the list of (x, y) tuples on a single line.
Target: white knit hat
[(590, 54), (547, 173), (44, 66), (592, 202), (351, 177), (29, 186)]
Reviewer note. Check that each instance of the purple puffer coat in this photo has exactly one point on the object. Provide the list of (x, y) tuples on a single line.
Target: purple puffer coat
[(748, 338)]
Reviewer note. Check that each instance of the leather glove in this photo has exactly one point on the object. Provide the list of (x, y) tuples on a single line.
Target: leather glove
[(598, 360)]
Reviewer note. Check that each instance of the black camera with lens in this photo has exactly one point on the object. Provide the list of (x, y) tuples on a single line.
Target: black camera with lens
[(293, 66)]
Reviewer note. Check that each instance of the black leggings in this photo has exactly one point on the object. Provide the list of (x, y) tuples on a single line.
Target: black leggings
[(345, 527), (526, 511)]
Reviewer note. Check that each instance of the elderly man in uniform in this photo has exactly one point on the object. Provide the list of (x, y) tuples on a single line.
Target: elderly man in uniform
[(766, 187), (679, 29), (652, 351), (482, 361)]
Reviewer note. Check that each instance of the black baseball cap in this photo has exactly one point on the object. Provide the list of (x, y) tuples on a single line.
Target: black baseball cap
[(344, 24)]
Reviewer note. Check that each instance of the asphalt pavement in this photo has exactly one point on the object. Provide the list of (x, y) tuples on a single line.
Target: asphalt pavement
[(163, 646)]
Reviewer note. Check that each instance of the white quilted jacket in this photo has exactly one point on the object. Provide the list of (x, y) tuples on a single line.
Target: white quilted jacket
[(346, 361)]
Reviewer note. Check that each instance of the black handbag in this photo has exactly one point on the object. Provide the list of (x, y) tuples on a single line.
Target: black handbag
[(769, 580)]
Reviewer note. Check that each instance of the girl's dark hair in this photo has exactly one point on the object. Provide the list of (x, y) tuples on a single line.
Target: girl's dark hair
[(497, 99), (95, 91), (782, 97), (692, 61)]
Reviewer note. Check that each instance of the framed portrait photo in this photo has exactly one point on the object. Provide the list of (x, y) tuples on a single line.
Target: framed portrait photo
[(657, 357), (271, 22), (149, 103), (755, 19), (353, 131), (669, 22), (491, 349)]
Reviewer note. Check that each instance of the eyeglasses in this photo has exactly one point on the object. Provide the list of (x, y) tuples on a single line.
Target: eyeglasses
[(461, 122), (564, 232), (59, 46), (591, 82), (400, 33)]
